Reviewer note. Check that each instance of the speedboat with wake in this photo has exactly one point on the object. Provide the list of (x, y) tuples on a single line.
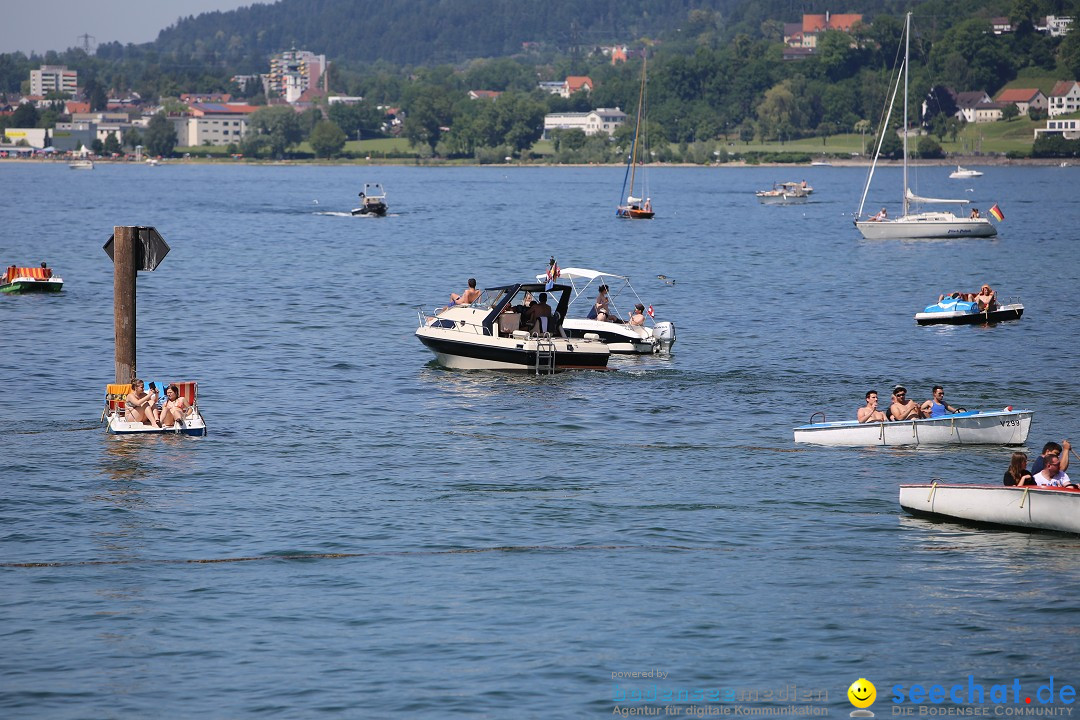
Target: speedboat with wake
[(972, 427), (491, 334), (372, 201), (621, 338)]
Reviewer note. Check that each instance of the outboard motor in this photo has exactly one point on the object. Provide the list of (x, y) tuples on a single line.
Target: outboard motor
[(665, 333)]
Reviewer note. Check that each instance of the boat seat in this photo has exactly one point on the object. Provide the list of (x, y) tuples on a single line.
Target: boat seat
[(540, 325), (189, 391), (115, 397), (508, 323)]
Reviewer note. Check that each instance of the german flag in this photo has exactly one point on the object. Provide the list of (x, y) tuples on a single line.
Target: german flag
[(996, 212)]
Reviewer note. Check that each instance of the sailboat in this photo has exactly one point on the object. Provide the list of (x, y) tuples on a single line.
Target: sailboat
[(636, 208), (933, 224)]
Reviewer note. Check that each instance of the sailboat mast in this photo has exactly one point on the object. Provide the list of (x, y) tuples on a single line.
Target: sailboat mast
[(637, 128), (907, 69)]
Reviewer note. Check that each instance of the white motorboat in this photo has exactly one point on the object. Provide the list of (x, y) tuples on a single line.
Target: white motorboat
[(84, 164), (118, 424), (372, 201), (488, 334), (1001, 427), (952, 311), (1034, 508), (914, 224), (962, 173), (787, 193), (621, 338)]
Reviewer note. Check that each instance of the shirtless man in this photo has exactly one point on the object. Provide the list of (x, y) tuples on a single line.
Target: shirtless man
[(468, 297), (137, 405), (637, 318), (870, 413), (902, 408)]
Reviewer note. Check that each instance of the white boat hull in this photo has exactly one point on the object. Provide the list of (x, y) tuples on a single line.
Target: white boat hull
[(1012, 311), (925, 225), (458, 350), (971, 428), (620, 338), (193, 425), (1037, 508)]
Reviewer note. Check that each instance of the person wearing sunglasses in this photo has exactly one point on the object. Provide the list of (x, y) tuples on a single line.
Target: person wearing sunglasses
[(902, 408), (1052, 449), (1051, 475)]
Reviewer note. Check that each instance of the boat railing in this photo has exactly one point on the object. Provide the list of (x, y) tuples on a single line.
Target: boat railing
[(434, 319), (819, 412)]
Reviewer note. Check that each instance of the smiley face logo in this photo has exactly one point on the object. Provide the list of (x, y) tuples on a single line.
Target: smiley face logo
[(862, 693)]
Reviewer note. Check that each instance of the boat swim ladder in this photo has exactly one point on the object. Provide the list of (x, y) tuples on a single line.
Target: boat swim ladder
[(545, 356)]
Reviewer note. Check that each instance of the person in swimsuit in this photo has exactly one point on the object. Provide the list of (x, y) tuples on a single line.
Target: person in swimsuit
[(137, 405), (175, 408), (902, 408)]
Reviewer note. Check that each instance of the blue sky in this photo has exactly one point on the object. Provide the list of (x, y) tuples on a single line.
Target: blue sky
[(41, 25)]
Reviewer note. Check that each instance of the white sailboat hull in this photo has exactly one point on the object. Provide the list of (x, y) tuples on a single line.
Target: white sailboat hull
[(1003, 427), (1041, 508), (926, 225)]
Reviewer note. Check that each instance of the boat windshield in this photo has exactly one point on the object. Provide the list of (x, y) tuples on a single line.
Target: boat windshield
[(489, 298)]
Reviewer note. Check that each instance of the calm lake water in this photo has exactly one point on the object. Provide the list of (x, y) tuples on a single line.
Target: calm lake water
[(364, 534)]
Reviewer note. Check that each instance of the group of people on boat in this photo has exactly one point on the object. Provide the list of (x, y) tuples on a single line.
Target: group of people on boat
[(1048, 470), (985, 299), (601, 310), (903, 408), (145, 405)]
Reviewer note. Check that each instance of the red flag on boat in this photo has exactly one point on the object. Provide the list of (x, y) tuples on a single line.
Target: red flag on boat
[(996, 212), (651, 313)]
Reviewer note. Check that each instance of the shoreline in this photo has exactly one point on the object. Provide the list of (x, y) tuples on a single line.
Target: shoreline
[(967, 160)]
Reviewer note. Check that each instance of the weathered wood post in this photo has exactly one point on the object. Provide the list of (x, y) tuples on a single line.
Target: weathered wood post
[(131, 249), (124, 268)]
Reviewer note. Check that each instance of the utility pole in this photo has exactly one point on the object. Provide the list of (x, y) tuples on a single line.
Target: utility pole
[(86, 41)]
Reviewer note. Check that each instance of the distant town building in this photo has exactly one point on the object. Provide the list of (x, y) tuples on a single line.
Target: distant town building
[(344, 100), (569, 86), (1068, 129), (485, 94), (601, 120), (977, 107), (36, 138), (189, 98), (1063, 99), (213, 124), (53, 78), (293, 72), (1023, 98), (1055, 26), (1001, 25), (805, 34)]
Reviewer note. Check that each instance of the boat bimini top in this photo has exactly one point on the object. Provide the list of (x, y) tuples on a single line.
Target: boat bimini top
[(581, 279)]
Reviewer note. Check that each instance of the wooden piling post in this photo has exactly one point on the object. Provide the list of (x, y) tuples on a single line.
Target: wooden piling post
[(124, 269)]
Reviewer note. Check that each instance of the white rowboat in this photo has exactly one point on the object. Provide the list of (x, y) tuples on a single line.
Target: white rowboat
[(1036, 508), (1002, 427)]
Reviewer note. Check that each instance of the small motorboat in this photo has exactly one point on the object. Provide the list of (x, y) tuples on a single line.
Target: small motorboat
[(788, 193), (972, 427), (489, 334), (118, 424), (84, 164), (954, 311), (372, 201), (961, 173), (621, 338), (1028, 507), (30, 279)]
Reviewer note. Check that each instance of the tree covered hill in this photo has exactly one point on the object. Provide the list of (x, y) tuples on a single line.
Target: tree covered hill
[(428, 32)]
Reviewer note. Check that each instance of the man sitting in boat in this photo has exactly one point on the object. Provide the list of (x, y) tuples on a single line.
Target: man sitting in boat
[(466, 298), (1052, 449), (936, 406), (902, 408), (974, 213), (870, 413), (537, 311), (1051, 475)]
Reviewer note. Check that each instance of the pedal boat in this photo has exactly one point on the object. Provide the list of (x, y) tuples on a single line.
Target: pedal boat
[(118, 424), (29, 279), (951, 311)]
